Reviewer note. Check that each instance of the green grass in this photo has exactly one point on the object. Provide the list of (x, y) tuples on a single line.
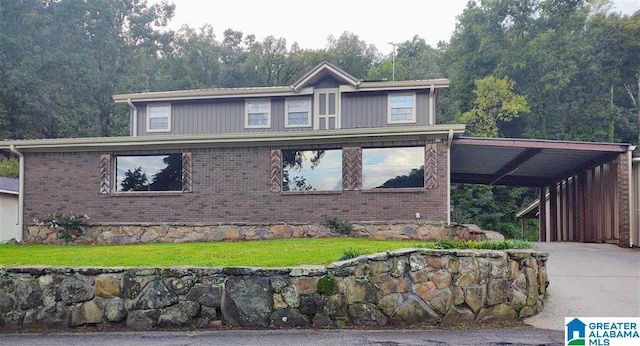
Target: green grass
[(478, 245), (267, 253)]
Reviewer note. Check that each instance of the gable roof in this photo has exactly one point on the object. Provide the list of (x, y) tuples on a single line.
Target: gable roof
[(303, 86), (322, 70), (9, 186)]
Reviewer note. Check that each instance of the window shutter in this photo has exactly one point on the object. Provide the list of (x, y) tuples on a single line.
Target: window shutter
[(276, 170), (431, 165), (351, 168), (105, 174), (187, 182)]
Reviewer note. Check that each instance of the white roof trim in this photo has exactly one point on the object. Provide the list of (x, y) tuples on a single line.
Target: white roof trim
[(329, 67), (10, 192)]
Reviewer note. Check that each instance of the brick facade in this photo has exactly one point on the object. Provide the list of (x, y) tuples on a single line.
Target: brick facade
[(231, 185)]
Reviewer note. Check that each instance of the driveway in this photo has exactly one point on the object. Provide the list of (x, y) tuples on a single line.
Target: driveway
[(591, 280)]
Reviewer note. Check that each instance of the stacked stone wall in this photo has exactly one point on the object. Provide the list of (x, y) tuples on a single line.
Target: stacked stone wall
[(404, 287), (145, 233)]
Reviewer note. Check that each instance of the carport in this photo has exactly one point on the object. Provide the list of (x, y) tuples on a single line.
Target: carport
[(588, 184)]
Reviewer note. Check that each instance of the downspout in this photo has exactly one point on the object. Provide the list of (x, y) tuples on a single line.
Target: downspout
[(630, 194), (134, 118), (20, 190), (449, 141), (635, 190)]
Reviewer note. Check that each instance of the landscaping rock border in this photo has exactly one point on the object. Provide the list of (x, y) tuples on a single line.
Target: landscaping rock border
[(404, 287)]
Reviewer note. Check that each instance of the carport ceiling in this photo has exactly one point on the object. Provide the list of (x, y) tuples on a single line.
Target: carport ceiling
[(525, 162)]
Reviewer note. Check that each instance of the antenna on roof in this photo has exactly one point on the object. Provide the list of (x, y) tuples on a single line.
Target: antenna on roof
[(393, 61)]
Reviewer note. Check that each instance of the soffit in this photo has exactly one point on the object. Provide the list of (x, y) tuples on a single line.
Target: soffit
[(521, 162)]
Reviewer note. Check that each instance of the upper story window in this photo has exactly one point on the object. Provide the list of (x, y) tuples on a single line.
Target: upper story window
[(402, 108), (257, 114), (297, 113), (159, 118)]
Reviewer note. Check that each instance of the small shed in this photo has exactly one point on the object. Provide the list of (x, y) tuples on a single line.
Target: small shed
[(9, 216)]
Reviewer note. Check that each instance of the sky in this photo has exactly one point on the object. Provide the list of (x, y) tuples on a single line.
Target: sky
[(309, 23)]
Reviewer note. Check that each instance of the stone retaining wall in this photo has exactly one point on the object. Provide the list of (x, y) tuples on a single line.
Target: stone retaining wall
[(404, 287), (167, 233)]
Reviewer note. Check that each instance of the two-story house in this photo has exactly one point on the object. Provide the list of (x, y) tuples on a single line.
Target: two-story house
[(248, 163)]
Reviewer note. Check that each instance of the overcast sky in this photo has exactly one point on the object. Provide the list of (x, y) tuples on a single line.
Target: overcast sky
[(310, 23)]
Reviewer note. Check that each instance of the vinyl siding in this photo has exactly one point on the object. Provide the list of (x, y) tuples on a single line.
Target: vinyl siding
[(358, 110), (211, 117), (369, 110)]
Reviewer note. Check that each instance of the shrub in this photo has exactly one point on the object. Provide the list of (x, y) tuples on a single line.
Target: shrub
[(67, 226), (350, 253), (326, 285), (339, 226)]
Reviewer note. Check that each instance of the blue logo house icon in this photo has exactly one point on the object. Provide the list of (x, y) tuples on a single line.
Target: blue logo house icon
[(576, 332)]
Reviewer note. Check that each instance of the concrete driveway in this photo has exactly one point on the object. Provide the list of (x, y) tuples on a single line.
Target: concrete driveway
[(591, 280)]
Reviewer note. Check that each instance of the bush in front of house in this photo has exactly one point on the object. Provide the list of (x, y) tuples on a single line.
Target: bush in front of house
[(338, 225), (67, 226)]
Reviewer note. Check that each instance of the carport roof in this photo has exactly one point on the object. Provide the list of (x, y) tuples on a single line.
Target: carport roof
[(525, 162)]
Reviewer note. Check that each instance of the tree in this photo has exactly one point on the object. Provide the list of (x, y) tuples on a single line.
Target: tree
[(415, 178), (352, 54), (495, 103), (10, 168), (170, 177), (191, 62), (135, 180), (63, 61)]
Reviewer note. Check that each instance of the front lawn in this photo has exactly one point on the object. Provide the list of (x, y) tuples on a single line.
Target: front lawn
[(266, 253)]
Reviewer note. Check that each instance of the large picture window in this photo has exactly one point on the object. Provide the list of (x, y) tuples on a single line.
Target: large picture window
[(312, 170), (257, 114), (159, 118), (148, 173), (402, 108), (298, 113), (392, 167)]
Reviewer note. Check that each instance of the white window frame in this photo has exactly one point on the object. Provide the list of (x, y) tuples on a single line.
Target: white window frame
[(413, 111), (246, 114), (286, 112), (148, 117)]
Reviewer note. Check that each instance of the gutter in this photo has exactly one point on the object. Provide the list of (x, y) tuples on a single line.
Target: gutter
[(134, 118), (237, 139), (20, 190)]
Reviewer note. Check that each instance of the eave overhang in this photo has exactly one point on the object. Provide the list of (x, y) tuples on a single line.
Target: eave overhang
[(205, 94), (526, 162), (327, 137)]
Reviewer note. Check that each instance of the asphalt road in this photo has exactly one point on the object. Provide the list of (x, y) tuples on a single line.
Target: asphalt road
[(476, 337)]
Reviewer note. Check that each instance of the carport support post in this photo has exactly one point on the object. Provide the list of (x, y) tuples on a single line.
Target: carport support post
[(624, 202), (553, 212), (581, 221), (542, 213)]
